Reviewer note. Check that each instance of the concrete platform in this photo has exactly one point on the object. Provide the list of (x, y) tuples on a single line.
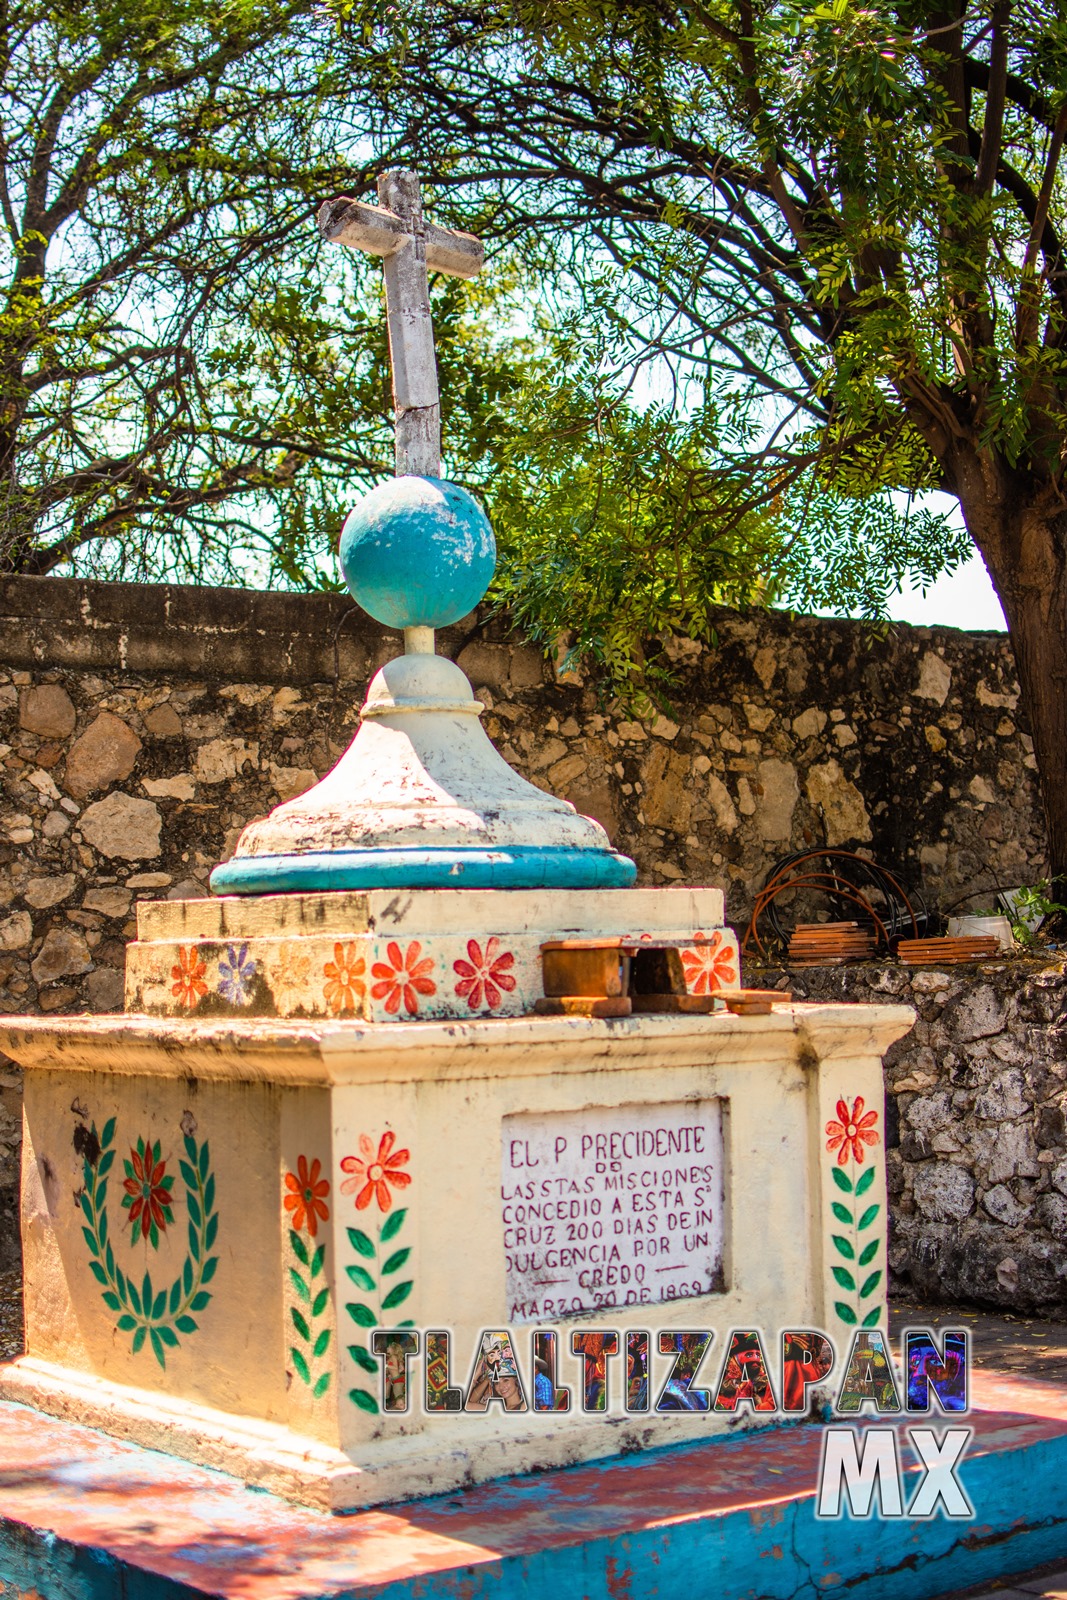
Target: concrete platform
[(84, 1517)]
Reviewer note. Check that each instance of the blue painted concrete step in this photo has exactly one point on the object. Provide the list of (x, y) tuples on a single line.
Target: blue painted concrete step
[(85, 1517)]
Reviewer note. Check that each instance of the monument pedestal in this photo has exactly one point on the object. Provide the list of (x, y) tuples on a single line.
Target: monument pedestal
[(218, 1212)]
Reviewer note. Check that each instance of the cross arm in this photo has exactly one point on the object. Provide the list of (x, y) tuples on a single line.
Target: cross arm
[(381, 233)]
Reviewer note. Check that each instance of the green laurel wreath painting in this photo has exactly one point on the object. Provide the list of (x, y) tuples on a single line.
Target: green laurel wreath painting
[(163, 1316), (849, 1136), (372, 1176)]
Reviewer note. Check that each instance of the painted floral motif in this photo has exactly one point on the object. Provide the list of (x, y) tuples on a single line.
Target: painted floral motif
[(372, 1173), (405, 978), (306, 1199), (485, 974), (375, 1265), (188, 984), (148, 1196), (162, 1316), (236, 971), (855, 1246), (306, 1204), (851, 1131), (710, 966), (344, 978)]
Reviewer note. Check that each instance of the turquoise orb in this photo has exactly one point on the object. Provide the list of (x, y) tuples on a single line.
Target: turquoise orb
[(417, 552)]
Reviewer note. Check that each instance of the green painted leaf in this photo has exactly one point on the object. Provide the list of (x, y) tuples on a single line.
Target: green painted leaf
[(863, 1183), (90, 1239), (187, 1276), (359, 1242), (871, 1319), (365, 1401), (363, 1359), (190, 1148), (120, 1283), (842, 1213), (407, 1323), (868, 1216), (321, 1343), (186, 1324), (395, 1296), (194, 1208), (87, 1207), (868, 1252), (322, 1385), (112, 1301), (299, 1285), (870, 1284), (126, 1322), (157, 1348), (317, 1260), (211, 1232), (392, 1225), (844, 1277), (204, 1161), (361, 1277), (300, 1322), (159, 1305), (200, 1300), (396, 1260), (188, 1175), (135, 1298), (210, 1268), (168, 1335), (298, 1247), (319, 1303), (300, 1364), (108, 1133), (361, 1314), (841, 1179), (109, 1261), (194, 1243), (844, 1247), (845, 1312), (104, 1165), (209, 1194)]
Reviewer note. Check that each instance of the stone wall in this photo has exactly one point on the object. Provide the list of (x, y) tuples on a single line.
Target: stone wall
[(976, 1125), (142, 726)]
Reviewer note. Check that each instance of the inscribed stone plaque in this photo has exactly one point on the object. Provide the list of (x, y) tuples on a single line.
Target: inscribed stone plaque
[(613, 1206)]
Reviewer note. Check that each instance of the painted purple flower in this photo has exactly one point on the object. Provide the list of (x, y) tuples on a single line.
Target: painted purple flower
[(235, 975)]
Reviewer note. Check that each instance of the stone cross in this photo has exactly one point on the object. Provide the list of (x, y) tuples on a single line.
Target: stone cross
[(396, 230)]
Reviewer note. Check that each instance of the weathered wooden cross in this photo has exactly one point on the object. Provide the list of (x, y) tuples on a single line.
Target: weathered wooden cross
[(396, 230)]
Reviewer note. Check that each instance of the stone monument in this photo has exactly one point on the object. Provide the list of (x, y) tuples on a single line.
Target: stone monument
[(335, 1134)]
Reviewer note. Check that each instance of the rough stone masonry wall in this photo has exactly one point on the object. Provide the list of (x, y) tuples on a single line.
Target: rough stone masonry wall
[(142, 726), (976, 1126)]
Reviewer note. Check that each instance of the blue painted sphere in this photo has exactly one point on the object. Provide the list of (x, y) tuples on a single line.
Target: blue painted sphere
[(417, 552)]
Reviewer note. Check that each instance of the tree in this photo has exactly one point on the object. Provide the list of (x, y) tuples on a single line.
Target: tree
[(844, 222), (172, 367)]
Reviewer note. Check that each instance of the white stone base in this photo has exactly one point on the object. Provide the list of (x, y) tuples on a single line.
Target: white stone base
[(297, 1468)]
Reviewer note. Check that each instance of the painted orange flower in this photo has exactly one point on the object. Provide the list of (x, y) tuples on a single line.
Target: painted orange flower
[(851, 1131), (405, 979), (344, 978), (709, 966), (307, 1196), (148, 1198), (188, 976), (488, 974), (373, 1173)]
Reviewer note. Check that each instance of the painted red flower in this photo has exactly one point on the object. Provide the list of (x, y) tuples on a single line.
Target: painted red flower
[(851, 1131), (373, 1173), (188, 976), (148, 1198), (486, 974), (710, 966), (344, 978), (405, 978), (307, 1196)]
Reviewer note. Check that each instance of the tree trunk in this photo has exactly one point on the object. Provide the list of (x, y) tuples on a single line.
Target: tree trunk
[(1023, 539)]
